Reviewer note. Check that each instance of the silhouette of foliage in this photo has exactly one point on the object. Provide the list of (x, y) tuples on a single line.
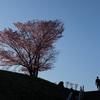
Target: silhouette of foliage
[(61, 84)]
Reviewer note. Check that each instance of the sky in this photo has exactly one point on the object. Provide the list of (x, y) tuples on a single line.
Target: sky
[(79, 58)]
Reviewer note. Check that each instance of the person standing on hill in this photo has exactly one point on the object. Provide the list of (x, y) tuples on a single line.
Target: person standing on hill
[(97, 82)]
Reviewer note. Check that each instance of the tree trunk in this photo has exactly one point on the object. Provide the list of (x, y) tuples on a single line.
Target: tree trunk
[(30, 70), (35, 72)]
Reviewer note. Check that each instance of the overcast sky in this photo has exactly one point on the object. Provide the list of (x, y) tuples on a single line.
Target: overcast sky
[(79, 60)]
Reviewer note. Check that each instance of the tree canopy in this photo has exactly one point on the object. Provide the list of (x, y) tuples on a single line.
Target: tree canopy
[(31, 46)]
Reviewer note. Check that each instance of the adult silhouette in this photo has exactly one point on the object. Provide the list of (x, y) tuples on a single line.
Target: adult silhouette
[(97, 82)]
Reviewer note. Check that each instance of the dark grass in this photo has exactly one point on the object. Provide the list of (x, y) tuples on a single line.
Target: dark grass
[(92, 95), (15, 86)]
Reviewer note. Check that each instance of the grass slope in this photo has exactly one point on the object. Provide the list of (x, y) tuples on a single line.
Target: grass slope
[(15, 86), (92, 95)]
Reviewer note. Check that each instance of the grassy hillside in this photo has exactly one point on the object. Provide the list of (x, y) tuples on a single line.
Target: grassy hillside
[(15, 86), (92, 95)]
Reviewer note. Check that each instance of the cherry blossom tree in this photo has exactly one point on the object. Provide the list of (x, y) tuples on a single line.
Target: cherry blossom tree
[(31, 45), (75, 85), (71, 85), (67, 84)]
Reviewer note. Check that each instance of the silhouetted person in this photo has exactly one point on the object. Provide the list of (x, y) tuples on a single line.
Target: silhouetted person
[(97, 82)]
